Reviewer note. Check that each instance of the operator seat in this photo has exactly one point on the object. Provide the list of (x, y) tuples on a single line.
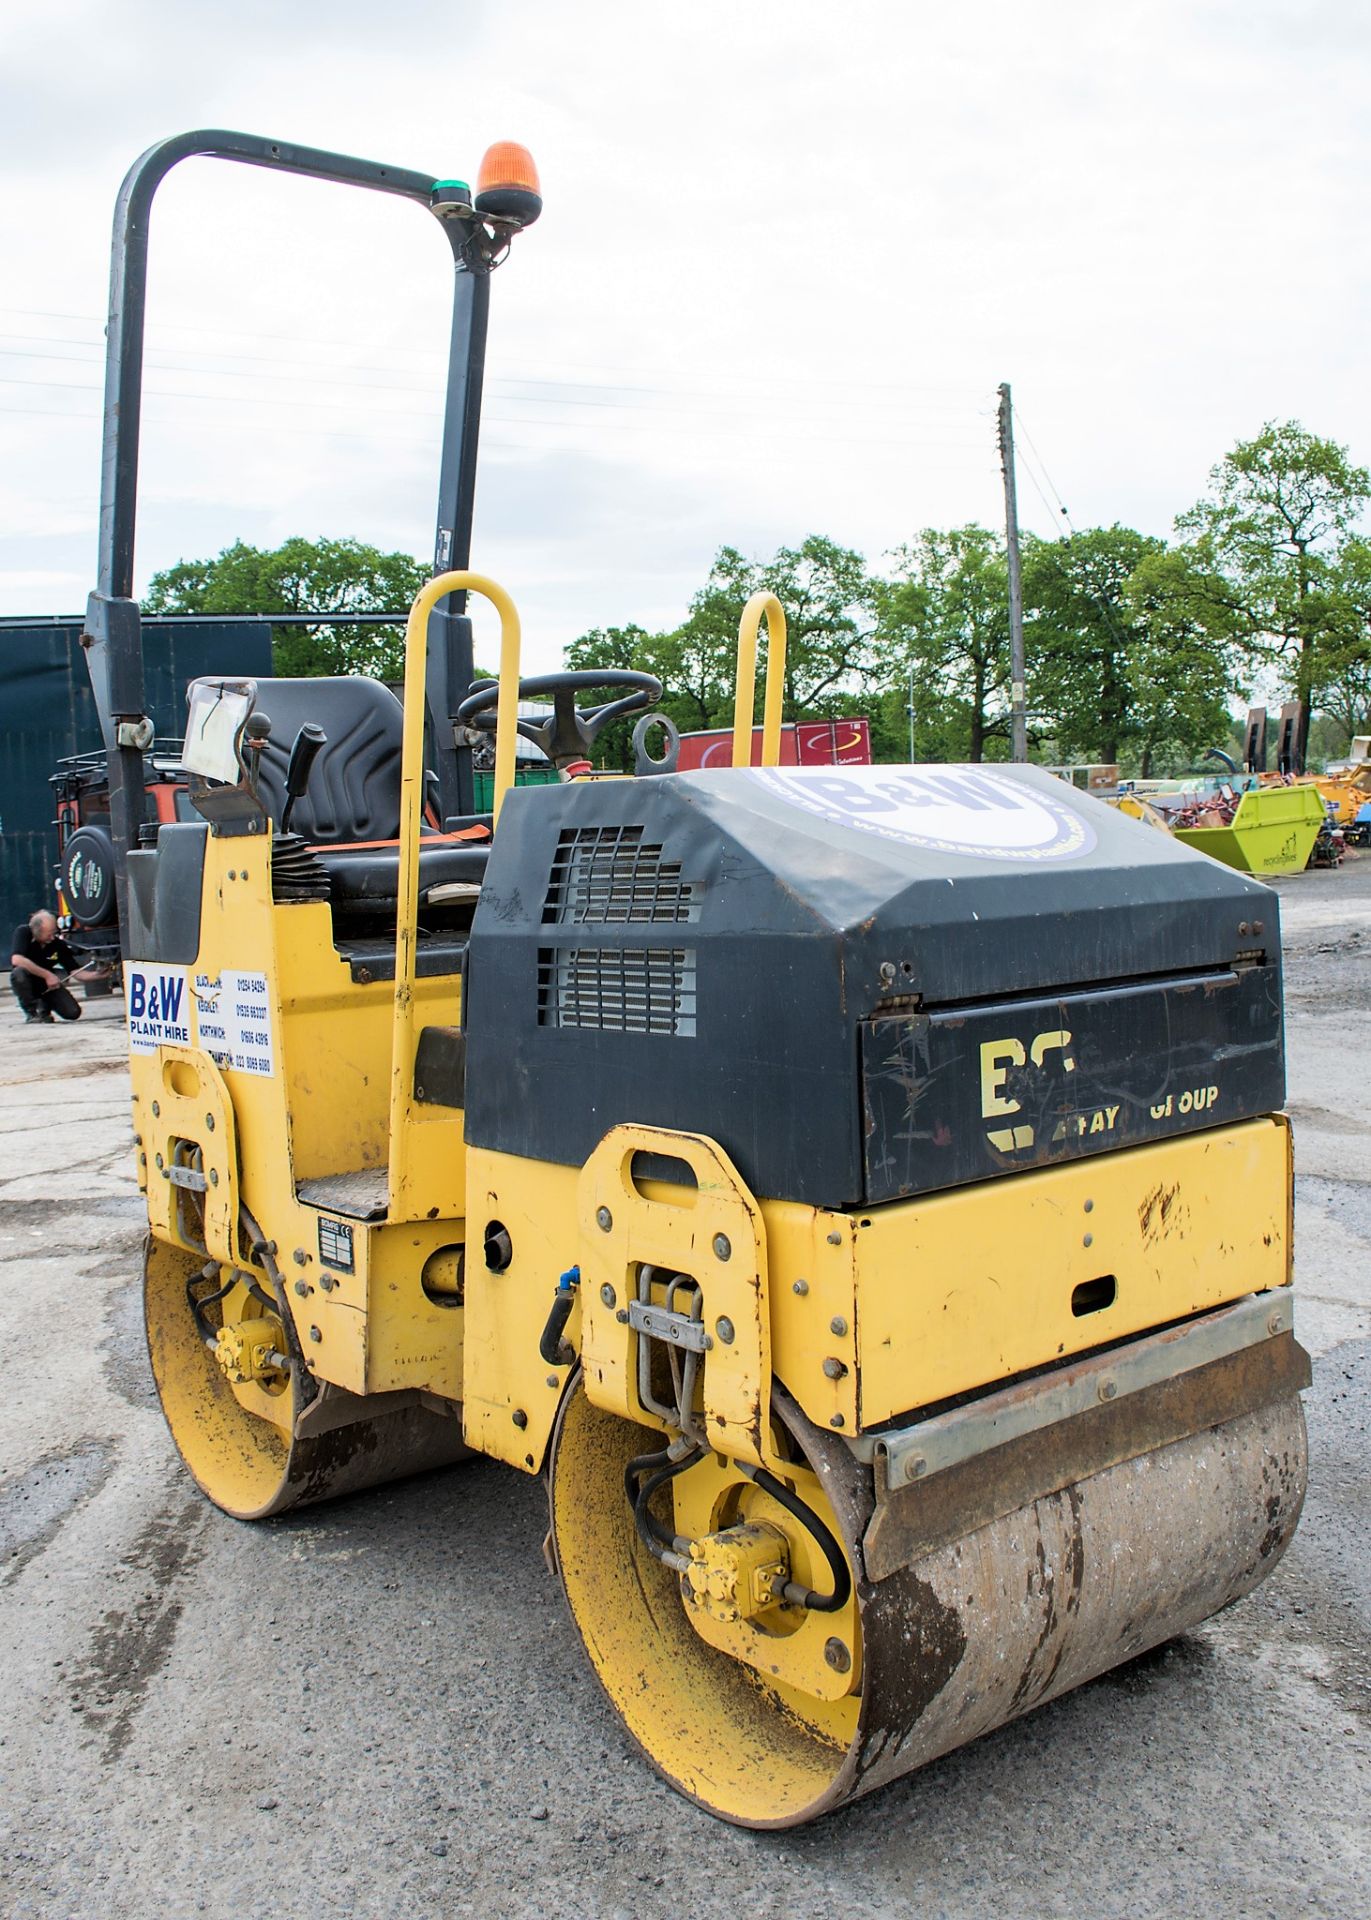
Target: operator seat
[(349, 814)]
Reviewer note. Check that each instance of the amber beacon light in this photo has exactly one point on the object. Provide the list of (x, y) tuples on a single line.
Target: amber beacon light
[(507, 185)]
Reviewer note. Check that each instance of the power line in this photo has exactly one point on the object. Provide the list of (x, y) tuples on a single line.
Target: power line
[(1061, 504), (1034, 483), (956, 396), (346, 372), (933, 433), (1065, 539), (797, 434), (640, 418)]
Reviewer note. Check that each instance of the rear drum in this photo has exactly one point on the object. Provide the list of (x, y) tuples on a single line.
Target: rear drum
[(241, 1446)]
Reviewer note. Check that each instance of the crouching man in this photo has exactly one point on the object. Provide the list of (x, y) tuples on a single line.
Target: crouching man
[(37, 965)]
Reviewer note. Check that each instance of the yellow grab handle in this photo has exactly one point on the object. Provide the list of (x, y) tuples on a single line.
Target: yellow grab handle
[(746, 686), (412, 820)]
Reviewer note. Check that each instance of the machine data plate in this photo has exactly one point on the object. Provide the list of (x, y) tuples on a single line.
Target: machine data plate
[(335, 1245)]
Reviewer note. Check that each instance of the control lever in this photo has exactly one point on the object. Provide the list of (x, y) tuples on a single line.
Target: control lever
[(302, 757)]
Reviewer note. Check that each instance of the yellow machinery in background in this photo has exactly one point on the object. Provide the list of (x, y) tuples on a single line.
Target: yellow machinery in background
[(1349, 790), (844, 1186)]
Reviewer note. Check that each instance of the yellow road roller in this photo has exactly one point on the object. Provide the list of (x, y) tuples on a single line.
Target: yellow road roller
[(860, 1194)]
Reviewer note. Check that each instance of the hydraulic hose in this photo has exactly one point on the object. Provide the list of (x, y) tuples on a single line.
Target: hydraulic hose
[(672, 1550), (262, 1299), (837, 1560), (306, 1386), (198, 1307), (667, 1547)]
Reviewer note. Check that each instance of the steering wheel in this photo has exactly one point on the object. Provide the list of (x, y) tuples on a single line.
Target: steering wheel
[(569, 732)]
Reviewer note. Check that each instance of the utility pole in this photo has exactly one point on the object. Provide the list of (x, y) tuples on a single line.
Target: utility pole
[(1018, 715), (910, 711)]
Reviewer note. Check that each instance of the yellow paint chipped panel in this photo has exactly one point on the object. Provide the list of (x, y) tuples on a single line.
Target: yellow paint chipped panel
[(508, 1405), (972, 1287), (813, 1260)]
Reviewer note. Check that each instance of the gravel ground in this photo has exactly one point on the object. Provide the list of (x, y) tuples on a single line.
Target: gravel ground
[(379, 1708)]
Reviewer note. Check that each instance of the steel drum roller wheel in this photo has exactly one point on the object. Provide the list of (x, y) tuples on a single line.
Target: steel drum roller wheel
[(702, 1718), (243, 1460), (967, 1638)]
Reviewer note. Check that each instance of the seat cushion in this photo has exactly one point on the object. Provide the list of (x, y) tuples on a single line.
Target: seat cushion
[(369, 877)]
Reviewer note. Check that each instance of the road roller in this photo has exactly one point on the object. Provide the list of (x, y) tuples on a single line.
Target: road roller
[(861, 1195)]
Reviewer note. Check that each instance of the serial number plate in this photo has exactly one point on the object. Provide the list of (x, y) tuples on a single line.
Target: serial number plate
[(335, 1245)]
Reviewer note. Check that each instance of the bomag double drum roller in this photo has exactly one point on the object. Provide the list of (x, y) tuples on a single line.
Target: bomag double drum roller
[(861, 1194)]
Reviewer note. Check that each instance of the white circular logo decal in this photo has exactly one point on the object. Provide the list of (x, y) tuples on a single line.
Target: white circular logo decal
[(974, 811)]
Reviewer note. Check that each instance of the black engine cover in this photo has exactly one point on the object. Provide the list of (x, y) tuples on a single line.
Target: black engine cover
[(862, 982)]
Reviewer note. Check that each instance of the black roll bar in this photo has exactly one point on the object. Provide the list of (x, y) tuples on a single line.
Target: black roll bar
[(112, 636)]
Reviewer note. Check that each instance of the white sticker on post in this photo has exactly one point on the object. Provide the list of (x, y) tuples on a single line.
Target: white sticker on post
[(245, 1005), (158, 1006), (233, 1020)]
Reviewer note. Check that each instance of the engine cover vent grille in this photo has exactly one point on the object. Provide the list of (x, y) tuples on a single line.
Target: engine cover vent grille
[(609, 876), (618, 989)]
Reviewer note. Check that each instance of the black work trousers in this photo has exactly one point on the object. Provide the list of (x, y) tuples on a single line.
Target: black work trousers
[(37, 999)]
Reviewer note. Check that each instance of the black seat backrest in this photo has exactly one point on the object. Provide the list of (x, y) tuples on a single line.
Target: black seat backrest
[(354, 784)]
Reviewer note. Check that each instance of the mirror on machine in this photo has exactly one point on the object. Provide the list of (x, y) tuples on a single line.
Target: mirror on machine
[(219, 711), (224, 739)]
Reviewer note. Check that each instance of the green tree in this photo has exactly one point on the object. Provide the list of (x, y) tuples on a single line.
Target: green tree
[(1082, 634), (830, 608), (1119, 668), (1267, 542), (1346, 654), (939, 728), (829, 601), (945, 623), (303, 576), (1179, 679)]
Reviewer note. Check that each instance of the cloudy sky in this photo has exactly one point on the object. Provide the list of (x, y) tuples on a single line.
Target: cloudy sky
[(788, 251)]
